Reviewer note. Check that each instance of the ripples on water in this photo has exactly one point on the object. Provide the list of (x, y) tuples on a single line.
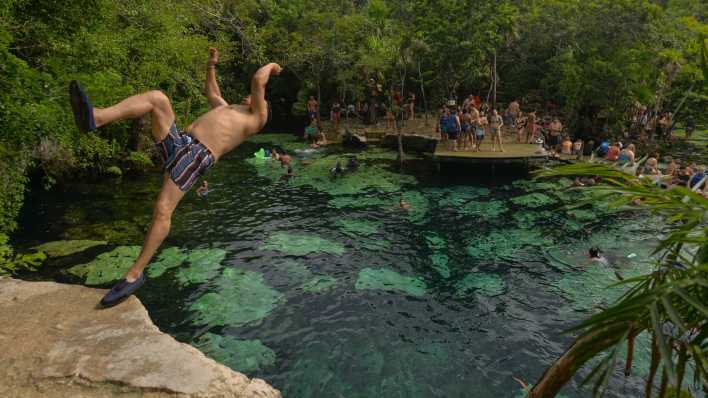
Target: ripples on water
[(460, 338)]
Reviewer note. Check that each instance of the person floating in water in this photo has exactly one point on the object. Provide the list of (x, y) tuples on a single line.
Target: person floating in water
[(352, 164), (337, 170), (187, 154), (287, 176), (596, 255), (203, 189), (402, 204)]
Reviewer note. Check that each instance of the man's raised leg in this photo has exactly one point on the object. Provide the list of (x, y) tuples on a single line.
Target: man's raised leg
[(153, 102)]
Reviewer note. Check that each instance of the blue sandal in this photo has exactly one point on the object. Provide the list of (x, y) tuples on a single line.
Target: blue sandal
[(121, 291), (82, 108)]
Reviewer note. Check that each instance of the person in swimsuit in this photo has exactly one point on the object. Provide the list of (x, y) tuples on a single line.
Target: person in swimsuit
[(495, 127), (531, 127), (466, 124), (312, 108), (187, 154), (453, 129), (566, 146), (626, 155), (442, 124), (578, 148), (479, 131), (411, 106), (520, 127), (555, 129), (613, 152)]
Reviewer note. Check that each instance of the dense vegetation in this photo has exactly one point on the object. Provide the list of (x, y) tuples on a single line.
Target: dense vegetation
[(594, 58)]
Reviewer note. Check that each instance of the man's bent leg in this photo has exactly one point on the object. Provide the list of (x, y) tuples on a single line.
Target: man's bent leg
[(167, 201), (153, 102)]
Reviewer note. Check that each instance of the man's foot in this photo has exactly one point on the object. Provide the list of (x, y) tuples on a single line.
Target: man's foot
[(83, 111), (122, 290)]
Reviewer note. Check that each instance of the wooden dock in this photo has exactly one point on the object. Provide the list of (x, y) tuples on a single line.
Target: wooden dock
[(513, 153)]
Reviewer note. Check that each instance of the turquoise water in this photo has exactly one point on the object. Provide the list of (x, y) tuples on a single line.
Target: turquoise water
[(325, 289)]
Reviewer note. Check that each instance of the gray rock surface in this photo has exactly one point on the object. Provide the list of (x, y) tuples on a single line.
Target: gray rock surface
[(54, 342)]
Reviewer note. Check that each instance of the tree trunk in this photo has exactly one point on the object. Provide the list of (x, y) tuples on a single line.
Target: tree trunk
[(494, 91), (584, 348), (401, 155), (422, 91), (678, 108)]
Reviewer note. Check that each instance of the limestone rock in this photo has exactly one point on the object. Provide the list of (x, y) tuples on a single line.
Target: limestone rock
[(55, 343)]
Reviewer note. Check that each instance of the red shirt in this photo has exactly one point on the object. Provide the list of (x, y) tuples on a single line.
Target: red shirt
[(612, 153)]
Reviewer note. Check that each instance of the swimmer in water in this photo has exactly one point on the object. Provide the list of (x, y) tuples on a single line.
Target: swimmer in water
[(337, 170), (287, 176), (284, 159), (402, 204), (352, 164), (596, 256), (203, 189)]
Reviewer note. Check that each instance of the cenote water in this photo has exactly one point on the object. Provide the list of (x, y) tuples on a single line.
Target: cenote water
[(324, 289)]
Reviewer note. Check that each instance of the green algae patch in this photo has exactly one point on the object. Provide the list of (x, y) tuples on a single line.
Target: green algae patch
[(240, 355), (440, 264), (481, 283), (435, 241), (531, 219), (107, 267), (301, 245), (355, 228), (456, 196), (320, 284), (172, 257), (533, 200), (504, 244), (63, 248), (388, 280), (483, 210), (582, 215), (297, 272), (419, 207), (242, 298), (204, 264)]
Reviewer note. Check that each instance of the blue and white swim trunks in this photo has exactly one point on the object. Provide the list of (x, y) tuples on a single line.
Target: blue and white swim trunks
[(185, 158)]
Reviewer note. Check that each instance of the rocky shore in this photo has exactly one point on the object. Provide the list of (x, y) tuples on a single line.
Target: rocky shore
[(54, 342)]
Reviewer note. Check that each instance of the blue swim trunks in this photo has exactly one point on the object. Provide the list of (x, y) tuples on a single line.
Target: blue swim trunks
[(185, 158), (479, 132)]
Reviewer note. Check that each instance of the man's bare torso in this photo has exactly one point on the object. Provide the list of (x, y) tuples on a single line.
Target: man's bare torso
[(224, 128)]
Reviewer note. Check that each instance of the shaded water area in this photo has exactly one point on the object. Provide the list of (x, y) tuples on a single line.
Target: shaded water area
[(325, 289)]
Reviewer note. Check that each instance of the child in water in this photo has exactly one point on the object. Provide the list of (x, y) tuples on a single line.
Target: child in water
[(203, 189)]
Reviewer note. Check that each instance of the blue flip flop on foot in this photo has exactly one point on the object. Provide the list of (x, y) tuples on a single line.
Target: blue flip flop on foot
[(122, 290), (83, 110)]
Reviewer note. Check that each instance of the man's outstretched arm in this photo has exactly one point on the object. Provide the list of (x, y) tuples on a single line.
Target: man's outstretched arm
[(211, 87), (259, 107)]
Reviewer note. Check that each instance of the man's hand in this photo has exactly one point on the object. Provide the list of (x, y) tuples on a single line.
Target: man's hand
[(213, 56), (275, 69)]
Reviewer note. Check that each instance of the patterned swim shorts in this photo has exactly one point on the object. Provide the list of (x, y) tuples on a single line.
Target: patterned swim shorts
[(185, 158)]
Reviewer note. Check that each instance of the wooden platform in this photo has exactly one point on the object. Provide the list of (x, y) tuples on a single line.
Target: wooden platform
[(513, 153)]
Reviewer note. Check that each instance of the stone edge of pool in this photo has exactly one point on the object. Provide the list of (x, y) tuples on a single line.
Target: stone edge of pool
[(55, 342)]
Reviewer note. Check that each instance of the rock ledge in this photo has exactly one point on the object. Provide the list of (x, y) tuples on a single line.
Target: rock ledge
[(55, 343)]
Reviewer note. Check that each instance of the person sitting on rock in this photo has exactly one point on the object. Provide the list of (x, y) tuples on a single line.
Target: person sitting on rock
[(187, 154)]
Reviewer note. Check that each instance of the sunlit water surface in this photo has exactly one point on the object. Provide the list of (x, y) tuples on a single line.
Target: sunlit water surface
[(324, 289)]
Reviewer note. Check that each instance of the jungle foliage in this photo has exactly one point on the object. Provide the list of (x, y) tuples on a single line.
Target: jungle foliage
[(593, 58)]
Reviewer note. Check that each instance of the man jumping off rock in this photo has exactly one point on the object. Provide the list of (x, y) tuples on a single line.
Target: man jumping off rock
[(187, 154)]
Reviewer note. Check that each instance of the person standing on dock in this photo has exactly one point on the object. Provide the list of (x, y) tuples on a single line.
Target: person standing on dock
[(482, 123), (495, 127), (453, 129), (313, 108), (531, 127), (187, 154), (466, 123)]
